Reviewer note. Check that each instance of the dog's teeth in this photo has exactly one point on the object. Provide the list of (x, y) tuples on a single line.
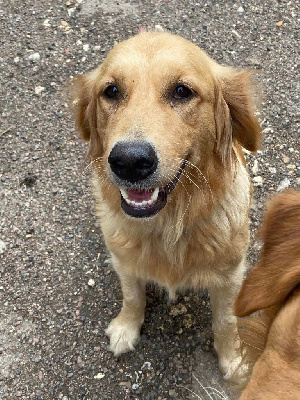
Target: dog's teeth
[(154, 195), (143, 203), (124, 194)]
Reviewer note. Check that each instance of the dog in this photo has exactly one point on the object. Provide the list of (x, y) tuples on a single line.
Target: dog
[(274, 287), (166, 125)]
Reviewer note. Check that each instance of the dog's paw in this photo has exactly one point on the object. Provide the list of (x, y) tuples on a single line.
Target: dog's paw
[(124, 335), (234, 369)]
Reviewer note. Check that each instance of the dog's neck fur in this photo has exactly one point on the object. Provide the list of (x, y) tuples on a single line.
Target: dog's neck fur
[(174, 233)]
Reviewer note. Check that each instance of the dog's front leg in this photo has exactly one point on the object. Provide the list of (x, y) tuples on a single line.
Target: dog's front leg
[(124, 330), (224, 325)]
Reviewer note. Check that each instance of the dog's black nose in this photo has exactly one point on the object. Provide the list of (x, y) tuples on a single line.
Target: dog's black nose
[(133, 161)]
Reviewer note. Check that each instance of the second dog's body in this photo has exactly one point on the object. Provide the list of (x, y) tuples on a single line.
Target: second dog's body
[(273, 338)]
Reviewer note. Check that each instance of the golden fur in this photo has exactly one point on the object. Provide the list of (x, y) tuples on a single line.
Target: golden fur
[(273, 286), (200, 237)]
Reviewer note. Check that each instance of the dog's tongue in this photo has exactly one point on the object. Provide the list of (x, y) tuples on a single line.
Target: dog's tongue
[(139, 195)]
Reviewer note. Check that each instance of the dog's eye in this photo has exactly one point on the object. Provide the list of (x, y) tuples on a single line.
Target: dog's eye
[(182, 92), (111, 92)]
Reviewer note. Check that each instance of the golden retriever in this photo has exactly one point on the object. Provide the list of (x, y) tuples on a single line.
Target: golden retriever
[(165, 125), (274, 286)]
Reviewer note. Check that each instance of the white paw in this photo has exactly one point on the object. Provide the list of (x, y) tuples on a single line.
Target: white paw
[(234, 369), (124, 335)]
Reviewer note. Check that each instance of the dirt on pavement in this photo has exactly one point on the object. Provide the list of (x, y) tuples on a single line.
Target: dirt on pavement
[(58, 291)]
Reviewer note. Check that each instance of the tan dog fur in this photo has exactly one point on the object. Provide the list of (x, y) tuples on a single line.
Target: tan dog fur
[(200, 237), (273, 286)]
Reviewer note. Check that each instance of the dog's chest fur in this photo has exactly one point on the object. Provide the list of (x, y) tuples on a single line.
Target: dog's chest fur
[(202, 253)]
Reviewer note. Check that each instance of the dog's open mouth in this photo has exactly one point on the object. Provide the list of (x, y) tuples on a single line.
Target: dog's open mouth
[(148, 202)]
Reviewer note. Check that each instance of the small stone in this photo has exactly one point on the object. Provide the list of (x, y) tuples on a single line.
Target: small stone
[(267, 130), (34, 57), (91, 282), (284, 184), (86, 47), (125, 384), (254, 61), (2, 247), (240, 10), (255, 167), (96, 48), (178, 310), (159, 28), (71, 11), (99, 376), (258, 180), (39, 89), (286, 159), (272, 170), (16, 60), (147, 366), (46, 23), (134, 386)]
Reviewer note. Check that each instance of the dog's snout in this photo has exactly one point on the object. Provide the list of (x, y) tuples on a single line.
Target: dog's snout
[(133, 161)]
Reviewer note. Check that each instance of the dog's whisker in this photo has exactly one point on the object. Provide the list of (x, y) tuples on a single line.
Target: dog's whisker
[(190, 164), (179, 220), (91, 164)]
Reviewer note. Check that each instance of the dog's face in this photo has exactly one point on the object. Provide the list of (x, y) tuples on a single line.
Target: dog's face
[(155, 106)]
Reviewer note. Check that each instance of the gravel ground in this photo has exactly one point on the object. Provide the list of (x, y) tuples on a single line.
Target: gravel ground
[(57, 289)]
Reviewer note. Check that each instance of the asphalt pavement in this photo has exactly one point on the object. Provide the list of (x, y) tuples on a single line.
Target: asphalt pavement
[(58, 291)]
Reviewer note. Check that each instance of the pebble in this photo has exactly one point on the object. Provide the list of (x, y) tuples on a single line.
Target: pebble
[(134, 386), (46, 23), (147, 366), (258, 180), (178, 309), (255, 167), (284, 184), (286, 159), (86, 47), (71, 11), (240, 10), (34, 57), (254, 61), (39, 89), (91, 282), (267, 130), (2, 247), (125, 384), (99, 376)]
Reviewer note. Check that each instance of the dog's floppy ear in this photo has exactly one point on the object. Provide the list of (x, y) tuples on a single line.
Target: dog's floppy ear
[(263, 288), (235, 118), (278, 272), (81, 101), (85, 103)]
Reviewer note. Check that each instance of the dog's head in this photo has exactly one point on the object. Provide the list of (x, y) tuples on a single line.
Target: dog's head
[(278, 271), (156, 106)]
